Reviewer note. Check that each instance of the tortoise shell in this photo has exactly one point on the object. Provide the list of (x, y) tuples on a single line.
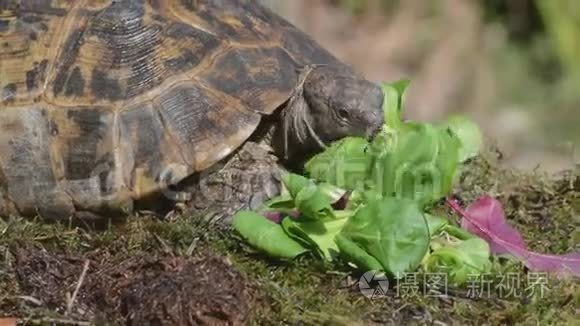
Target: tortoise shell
[(104, 102)]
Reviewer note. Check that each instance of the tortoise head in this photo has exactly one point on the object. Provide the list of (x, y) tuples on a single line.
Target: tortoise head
[(342, 104), (332, 104)]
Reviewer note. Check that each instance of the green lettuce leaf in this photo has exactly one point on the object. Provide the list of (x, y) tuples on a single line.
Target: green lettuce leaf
[(460, 260), (309, 199), (266, 235), (354, 254), (418, 162), (393, 102), (392, 231), (343, 164), (296, 233), (469, 135), (436, 224), (319, 235)]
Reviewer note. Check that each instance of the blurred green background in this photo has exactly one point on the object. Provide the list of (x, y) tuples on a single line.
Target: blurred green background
[(512, 65)]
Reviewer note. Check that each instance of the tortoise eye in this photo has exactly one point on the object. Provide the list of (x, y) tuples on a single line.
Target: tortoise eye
[(343, 113)]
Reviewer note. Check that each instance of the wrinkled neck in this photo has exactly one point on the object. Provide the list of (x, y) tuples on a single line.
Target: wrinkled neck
[(296, 137), (296, 131)]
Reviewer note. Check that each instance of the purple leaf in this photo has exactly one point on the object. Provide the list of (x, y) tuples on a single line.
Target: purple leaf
[(278, 216), (275, 217), (486, 218), (342, 201), (488, 212)]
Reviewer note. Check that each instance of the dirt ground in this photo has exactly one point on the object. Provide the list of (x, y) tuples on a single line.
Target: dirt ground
[(143, 289)]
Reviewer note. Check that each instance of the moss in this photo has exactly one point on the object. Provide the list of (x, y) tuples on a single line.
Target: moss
[(307, 291)]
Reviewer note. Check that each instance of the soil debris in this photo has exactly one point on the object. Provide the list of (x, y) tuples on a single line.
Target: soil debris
[(142, 290)]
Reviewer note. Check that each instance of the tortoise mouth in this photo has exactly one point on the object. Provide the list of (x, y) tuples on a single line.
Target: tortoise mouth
[(370, 134), (373, 132)]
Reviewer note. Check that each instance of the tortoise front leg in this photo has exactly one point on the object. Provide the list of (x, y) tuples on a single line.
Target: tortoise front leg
[(247, 179)]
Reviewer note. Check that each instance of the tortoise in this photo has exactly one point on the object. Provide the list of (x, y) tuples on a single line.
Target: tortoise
[(104, 104)]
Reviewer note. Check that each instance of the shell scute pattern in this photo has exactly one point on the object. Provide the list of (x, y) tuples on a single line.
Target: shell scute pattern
[(104, 102)]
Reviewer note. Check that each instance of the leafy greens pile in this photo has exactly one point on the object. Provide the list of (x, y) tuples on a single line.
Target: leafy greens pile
[(367, 202)]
